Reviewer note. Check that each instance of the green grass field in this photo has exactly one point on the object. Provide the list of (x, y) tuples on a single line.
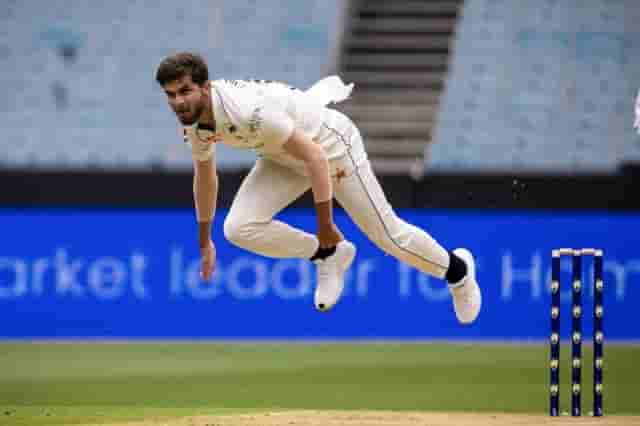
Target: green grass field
[(72, 383)]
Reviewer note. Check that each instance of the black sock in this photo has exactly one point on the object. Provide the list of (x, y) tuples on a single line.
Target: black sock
[(457, 269), (323, 253)]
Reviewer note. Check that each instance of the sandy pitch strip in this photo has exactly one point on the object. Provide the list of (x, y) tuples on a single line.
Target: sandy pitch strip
[(382, 418)]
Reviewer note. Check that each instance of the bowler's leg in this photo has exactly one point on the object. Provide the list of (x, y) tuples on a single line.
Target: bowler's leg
[(266, 190), (362, 197)]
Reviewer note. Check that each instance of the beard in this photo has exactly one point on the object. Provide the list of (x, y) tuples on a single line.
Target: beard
[(192, 115)]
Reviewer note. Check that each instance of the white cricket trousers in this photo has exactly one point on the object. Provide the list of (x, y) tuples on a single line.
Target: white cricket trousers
[(270, 187)]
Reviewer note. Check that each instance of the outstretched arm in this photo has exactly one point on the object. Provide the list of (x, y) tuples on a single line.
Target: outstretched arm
[(315, 160), (205, 195)]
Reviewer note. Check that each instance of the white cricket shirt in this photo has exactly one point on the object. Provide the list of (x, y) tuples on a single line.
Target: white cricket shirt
[(261, 115)]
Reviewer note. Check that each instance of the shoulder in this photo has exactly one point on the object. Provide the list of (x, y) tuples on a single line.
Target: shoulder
[(238, 99), (228, 84), (253, 85), (236, 91)]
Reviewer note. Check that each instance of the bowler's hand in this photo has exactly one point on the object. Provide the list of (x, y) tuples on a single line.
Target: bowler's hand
[(208, 255), (329, 235)]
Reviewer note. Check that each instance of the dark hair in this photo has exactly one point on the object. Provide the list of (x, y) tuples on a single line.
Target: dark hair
[(176, 66)]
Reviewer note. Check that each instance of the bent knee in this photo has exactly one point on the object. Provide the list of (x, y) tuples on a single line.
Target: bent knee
[(241, 232), (235, 230)]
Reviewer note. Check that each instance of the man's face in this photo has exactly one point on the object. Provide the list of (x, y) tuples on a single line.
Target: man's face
[(187, 99)]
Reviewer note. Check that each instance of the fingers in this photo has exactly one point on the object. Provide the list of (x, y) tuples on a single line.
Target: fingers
[(208, 267), (205, 272), (329, 244), (325, 243), (330, 238), (330, 241)]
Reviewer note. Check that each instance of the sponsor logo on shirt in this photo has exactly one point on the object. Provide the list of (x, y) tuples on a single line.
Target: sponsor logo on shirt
[(256, 120)]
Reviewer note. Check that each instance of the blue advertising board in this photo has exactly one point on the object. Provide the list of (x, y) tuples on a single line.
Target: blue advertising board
[(135, 274)]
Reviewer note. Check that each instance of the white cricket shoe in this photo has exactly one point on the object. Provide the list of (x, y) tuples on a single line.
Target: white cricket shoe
[(330, 275), (467, 298)]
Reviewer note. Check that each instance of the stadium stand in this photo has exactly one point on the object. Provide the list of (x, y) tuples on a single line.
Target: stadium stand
[(541, 87), (397, 54), (79, 77)]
